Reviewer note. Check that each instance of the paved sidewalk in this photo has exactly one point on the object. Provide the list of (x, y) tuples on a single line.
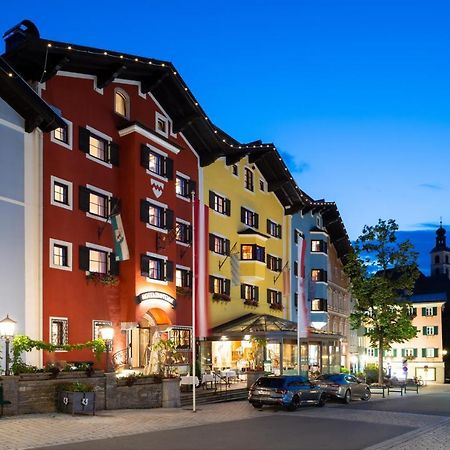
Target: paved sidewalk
[(38, 430)]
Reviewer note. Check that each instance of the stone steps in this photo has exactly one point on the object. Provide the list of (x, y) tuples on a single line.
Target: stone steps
[(206, 397)]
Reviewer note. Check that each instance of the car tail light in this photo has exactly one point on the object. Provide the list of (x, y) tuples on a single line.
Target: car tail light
[(281, 391)]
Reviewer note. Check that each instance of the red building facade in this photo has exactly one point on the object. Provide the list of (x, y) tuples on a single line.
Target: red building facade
[(118, 154)]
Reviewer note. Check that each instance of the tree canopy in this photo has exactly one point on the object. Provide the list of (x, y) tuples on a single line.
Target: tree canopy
[(382, 272)]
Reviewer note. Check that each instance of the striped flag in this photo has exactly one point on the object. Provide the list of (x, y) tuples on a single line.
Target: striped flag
[(200, 233), (302, 310), (120, 241), (235, 269)]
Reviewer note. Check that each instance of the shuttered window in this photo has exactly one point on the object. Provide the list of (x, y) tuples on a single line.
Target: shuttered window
[(98, 147), (156, 268)]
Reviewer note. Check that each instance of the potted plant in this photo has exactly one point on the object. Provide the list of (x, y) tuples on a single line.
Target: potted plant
[(76, 398), (168, 357), (256, 369)]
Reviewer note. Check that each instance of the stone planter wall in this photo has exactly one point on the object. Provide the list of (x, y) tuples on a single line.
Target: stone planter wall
[(171, 393), (36, 393)]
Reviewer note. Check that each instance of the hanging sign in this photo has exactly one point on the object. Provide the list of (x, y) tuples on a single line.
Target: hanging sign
[(156, 295)]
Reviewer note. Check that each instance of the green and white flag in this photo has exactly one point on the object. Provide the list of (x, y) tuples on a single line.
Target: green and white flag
[(120, 242)]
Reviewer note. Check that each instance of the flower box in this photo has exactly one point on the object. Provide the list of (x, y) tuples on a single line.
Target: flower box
[(251, 302), (276, 306), (221, 297)]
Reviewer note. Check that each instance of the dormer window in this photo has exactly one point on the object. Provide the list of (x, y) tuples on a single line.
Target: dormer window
[(161, 124), (248, 179), (121, 103)]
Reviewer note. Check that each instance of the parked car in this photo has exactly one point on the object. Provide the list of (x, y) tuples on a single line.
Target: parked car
[(343, 386), (288, 391)]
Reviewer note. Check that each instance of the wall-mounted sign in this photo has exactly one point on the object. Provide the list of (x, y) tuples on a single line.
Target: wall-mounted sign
[(156, 295)]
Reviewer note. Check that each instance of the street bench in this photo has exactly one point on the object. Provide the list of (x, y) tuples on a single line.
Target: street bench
[(3, 402), (396, 387), (412, 386), (378, 390)]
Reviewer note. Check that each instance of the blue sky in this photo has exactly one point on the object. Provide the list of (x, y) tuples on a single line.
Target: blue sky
[(355, 94)]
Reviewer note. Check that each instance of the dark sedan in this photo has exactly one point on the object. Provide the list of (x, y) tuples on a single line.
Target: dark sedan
[(286, 390), (343, 386)]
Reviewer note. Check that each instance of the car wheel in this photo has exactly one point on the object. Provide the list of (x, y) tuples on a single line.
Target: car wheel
[(321, 401), (295, 403), (257, 405), (347, 397), (367, 394)]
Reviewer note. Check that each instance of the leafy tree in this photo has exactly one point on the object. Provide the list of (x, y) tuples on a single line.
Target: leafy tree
[(382, 271)]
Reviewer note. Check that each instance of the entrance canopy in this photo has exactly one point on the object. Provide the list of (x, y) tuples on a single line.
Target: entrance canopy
[(256, 325)]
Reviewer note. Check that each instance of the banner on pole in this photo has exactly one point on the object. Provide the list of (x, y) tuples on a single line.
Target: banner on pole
[(120, 241)]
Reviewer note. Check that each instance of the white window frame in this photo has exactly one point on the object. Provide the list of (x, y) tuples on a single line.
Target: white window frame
[(69, 185), (428, 311), (164, 259), (158, 117), (429, 352), (429, 331), (101, 135), (97, 190), (66, 336), (98, 324), (66, 244), (69, 143), (125, 95), (100, 248)]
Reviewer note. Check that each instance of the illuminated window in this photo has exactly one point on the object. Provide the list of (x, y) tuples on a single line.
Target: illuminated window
[(182, 277), (97, 325), (182, 187), (318, 304), (219, 203), (60, 255), (98, 204), (181, 337), (98, 261), (274, 298), (183, 232), (121, 103), (274, 263), (63, 135), (253, 252), (156, 216), (219, 245), (161, 124), (249, 218), (318, 246), (220, 286), (274, 229), (318, 275), (61, 193), (98, 148), (249, 292)]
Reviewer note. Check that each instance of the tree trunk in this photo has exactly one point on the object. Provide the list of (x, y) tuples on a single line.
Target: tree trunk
[(380, 362)]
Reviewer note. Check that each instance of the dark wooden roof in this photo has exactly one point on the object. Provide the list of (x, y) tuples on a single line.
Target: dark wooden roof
[(19, 95)]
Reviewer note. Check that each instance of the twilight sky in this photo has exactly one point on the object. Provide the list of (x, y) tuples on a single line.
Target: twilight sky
[(354, 93)]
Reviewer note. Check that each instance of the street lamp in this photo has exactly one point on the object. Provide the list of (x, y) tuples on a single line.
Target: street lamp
[(7, 328), (107, 334)]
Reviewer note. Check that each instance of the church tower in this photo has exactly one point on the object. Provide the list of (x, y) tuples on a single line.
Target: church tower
[(440, 255)]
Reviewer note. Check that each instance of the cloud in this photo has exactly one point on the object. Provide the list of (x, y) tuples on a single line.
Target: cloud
[(432, 186), (294, 165)]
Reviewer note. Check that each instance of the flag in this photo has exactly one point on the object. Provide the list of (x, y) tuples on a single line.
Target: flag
[(120, 241), (286, 280), (302, 310), (235, 269), (201, 294)]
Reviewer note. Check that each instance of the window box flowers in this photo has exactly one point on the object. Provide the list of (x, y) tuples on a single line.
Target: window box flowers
[(221, 297)]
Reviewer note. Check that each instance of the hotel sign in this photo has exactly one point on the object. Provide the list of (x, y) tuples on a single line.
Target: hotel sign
[(156, 295)]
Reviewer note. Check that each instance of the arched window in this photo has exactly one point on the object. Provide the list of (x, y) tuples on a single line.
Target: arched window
[(121, 103), (436, 259)]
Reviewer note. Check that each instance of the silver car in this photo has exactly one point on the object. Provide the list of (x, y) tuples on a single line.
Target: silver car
[(343, 386), (286, 390)]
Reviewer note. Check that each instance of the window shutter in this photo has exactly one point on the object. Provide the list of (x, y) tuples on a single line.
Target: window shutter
[(256, 291), (168, 223), (189, 279), (424, 353), (279, 231), (268, 226), (375, 352), (211, 284), (256, 216), (145, 156), (296, 268), (296, 236), (414, 311), (243, 291), (169, 271), (424, 331), (114, 266), (83, 139), (168, 172), (279, 298), (415, 352), (211, 241), (228, 207), (394, 353), (144, 211), (403, 352), (191, 187), (435, 331), (324, 275), (83, 198), (242, 214), (145, 262), (227, 247), (189, 234), (296, 300), (212, 196), (435, 311), (436, 352), (227, 287), (268, 295), (83, 255), (114, 206), (114, 154), (424, 311)]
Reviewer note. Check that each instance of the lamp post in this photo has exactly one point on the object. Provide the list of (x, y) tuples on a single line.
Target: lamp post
[(107, 334), (7, 328)]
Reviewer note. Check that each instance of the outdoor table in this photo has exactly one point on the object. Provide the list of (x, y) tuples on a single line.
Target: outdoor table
[(207, 378), (229, 375), (189, 380)]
